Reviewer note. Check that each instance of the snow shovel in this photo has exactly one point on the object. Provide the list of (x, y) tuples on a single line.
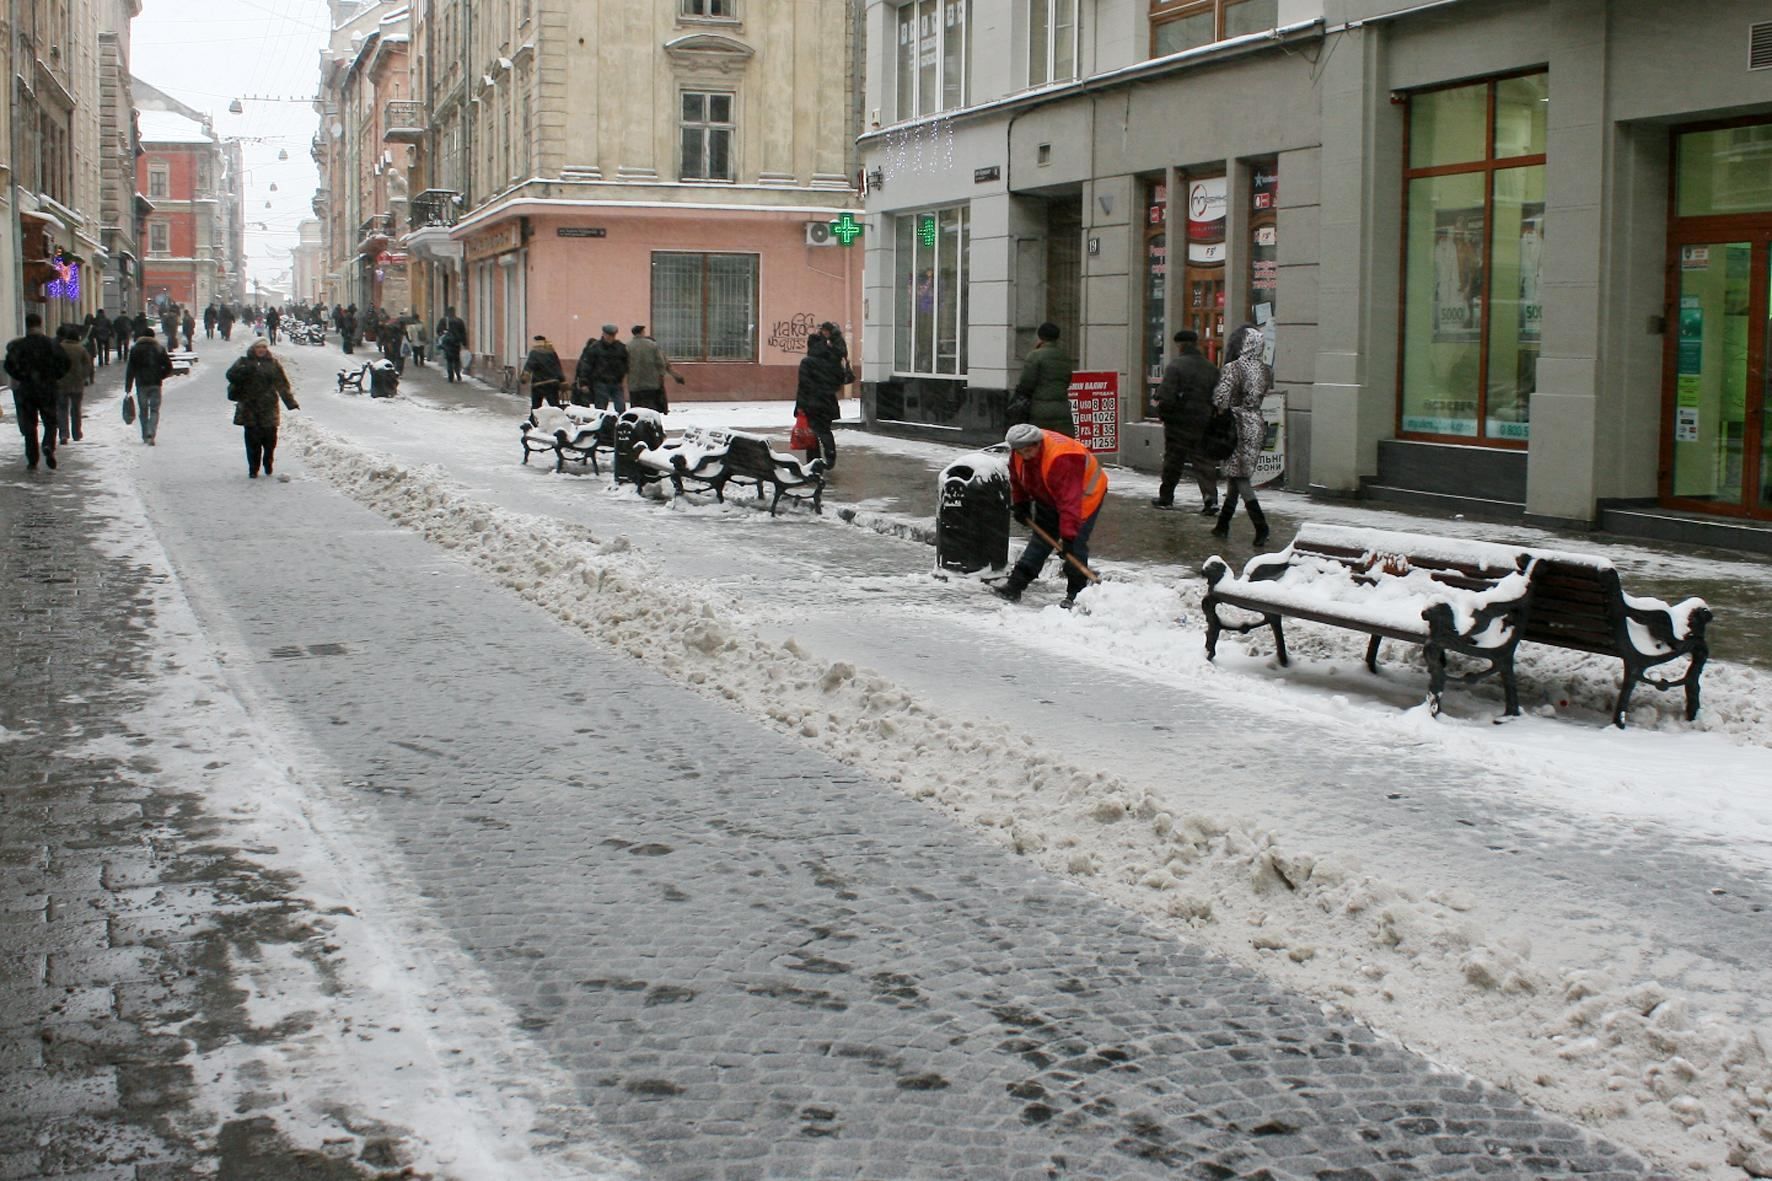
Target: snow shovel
[(1052, 541)]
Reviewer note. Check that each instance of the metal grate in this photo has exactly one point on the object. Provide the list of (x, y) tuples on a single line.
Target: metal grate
[(1759, 46)]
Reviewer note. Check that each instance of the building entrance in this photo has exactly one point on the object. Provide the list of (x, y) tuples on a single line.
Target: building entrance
[(1716, 449)]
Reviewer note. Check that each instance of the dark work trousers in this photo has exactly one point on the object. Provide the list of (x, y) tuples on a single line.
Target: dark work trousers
[(452, 363), (261, 448), (1177, 456), (36, 413), (544, 391), (1033, 558)]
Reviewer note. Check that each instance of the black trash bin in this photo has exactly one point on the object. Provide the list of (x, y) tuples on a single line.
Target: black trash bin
[(972, 513), (384, 379), (634, 431)]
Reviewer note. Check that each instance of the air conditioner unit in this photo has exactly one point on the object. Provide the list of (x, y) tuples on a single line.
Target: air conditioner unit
[(818, 233)]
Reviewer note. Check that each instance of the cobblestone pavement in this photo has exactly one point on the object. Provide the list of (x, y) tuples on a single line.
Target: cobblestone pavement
[(752, 962), (120, 902)]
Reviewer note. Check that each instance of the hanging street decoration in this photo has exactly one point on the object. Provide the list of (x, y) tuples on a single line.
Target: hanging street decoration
[(66, 284)]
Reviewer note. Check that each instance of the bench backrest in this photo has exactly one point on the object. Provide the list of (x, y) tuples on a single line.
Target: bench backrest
[(1464, 565), (751, 456), (1575, 604)]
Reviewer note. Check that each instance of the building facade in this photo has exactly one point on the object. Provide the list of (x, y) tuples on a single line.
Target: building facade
[(1511, 256), (675, 163), (307, 263), (54, 251), (183, 173), (121, 207)]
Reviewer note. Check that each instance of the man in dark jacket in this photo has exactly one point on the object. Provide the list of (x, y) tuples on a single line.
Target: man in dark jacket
[(452, 338), (541, 369), (144, 373), (1043, 395), (647, 367), (209, 316), (99, 338), (35, 364), (821, 377), (602, 367), (70, 390), (1184, 403)]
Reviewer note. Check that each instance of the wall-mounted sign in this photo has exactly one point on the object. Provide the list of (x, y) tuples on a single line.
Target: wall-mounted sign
[(581, 232), (506, 237), (1095, 401), (984, 176)]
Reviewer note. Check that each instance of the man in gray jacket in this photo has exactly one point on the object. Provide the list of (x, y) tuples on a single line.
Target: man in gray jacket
[(647, 367)]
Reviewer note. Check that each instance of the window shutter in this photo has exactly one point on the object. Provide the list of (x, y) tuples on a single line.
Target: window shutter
[(1759, 46)]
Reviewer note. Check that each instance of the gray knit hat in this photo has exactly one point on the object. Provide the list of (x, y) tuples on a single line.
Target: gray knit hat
[(1024, 434)]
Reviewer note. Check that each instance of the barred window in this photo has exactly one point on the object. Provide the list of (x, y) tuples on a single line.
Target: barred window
[(707, 136), (704, 306)]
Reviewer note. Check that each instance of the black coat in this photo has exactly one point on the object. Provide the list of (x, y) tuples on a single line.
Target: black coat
[(821, 376), (148, 364), (1184, 400), (36, 363), (603, 362)]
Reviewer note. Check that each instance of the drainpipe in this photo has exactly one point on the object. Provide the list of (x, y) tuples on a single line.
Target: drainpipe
[(14, 228)]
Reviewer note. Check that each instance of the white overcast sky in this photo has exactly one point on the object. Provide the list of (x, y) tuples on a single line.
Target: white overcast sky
[(207, 54)]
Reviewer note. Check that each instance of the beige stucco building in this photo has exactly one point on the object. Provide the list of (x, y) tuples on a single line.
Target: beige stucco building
[(674, 163)]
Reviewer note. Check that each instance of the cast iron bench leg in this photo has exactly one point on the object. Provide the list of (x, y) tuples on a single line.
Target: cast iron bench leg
[(1273, 621), (1213, 627), (1436, 675), (1372, 653)]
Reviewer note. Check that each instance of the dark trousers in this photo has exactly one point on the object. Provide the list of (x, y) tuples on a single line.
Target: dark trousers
[(544, 391), (36, 422), (827, 443), (1176, 456), (101, 351), (452, 364), (1033, 558), (261, 448), (648, 400)]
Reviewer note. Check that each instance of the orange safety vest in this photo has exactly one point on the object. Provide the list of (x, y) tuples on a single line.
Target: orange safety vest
[(1094, 479)]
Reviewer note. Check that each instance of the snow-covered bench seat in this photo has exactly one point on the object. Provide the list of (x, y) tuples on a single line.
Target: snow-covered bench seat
[(712, 459), (1577, 602), (576, 434), (1468, 597)]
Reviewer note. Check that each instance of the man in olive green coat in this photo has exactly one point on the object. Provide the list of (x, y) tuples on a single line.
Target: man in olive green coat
[(1043, 395)]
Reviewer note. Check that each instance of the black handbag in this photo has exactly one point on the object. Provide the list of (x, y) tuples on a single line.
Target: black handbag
[(1220, 439)]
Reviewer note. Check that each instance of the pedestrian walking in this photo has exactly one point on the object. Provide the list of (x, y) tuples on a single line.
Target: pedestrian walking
[(144, 374), (816, 396), (224, 322), (391, 339), (452, 338), (602, 367), (99, 338), (70, 389), (1184, 402), (1057, 486), (1241, 388), (647, 368), (1043, 394), (273, 321), (347, 329), (256, 384), (35, 365), (541, 369), (209, 317), (189, 325), (418, 337)]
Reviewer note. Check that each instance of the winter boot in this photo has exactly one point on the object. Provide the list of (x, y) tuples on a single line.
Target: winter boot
[(1010, 588), (1223, 527), (1260, 519)]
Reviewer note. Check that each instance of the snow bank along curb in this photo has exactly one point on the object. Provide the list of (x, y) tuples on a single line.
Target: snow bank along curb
[(1629, 1058)]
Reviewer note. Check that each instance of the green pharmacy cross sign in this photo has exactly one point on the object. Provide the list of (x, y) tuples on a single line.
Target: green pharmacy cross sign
[(926, 230), (846, 229)]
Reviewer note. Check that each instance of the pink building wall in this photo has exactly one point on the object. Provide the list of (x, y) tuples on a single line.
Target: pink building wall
[(577, 284)]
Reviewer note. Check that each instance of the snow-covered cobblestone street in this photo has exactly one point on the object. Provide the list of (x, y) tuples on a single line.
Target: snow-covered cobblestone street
[(707, 844)]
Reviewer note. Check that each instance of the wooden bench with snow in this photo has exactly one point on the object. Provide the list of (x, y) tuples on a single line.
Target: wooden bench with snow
[(711, 459), (1473, 598), (1578, 603), (1464, 597), (572, 433)]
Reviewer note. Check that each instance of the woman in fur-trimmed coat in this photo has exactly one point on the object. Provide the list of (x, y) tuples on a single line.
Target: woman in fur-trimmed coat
[(256, 384), (1241, 387)]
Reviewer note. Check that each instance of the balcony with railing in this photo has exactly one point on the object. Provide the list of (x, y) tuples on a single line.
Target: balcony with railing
[(374, 233), (403, 121), (433, 207)]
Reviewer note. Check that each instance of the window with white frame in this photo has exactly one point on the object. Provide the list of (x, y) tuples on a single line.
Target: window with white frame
[(933, 56), (159, 183), (707, 129), (704, 306), (710, 9), (159, 238), (932, 250), (1052, 40)]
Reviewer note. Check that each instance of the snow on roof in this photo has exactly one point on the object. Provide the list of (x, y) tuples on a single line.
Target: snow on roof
[(169, 127)]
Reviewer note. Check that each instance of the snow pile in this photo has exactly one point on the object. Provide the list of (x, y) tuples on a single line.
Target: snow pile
[(1627, 1056)]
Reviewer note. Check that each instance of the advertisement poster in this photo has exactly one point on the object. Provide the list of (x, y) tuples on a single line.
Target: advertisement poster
[(1095, 401), (1458, 275), (1270, 465), (1205, 221), (1531, 272), (1689, 371)]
